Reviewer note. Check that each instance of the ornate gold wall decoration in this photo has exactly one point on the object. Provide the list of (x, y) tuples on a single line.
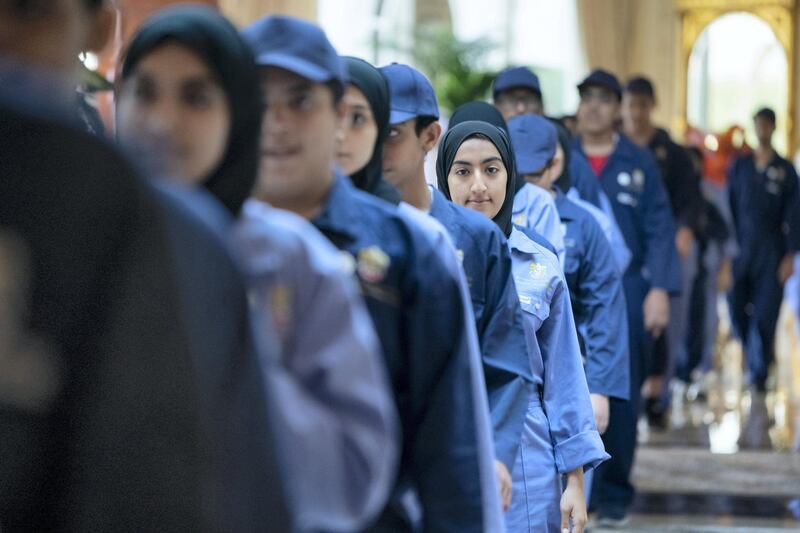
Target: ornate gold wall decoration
[(780, 15)]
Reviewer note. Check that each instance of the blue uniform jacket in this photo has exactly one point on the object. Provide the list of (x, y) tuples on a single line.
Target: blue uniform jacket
[(338, 438), (641, 207), (498, 318), (416, 308), (598, 301), (535, 209), (555, 355), (766, 213)]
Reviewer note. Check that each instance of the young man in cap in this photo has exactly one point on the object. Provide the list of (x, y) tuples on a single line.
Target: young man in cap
[(595, 285), (629, 177), (683, 187), (483, 252), (765, 204), (413, 301), (516, 91)]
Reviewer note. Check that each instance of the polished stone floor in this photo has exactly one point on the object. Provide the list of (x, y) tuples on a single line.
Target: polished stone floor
[(729, 460)]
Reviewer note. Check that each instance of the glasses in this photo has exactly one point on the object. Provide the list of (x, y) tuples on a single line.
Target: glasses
[(514, 101)]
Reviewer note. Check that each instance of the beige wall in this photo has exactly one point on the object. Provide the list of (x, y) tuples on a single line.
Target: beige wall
[(630, 37), (243, 12)]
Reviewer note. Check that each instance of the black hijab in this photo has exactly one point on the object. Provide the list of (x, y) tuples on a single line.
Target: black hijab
[(217, 43), (452, 141), (479, 111), (371, 82), (488, 113), (563, 182)]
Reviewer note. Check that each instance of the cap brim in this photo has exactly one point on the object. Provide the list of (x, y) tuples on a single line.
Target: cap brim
[(295, 65), (398, 117), (531, 164)]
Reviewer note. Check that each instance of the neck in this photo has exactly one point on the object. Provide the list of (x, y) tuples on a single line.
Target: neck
[(308, 206), (415, 191), (598, 144), (641, 135)]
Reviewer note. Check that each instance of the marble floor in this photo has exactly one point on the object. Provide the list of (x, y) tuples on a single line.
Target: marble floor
[(729, 459)]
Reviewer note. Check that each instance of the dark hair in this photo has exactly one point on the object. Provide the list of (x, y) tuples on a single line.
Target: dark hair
[(767, 114), (423, 122), (641, 86)]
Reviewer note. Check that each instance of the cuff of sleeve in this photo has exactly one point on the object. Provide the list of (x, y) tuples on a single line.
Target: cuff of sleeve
[(582, 450)]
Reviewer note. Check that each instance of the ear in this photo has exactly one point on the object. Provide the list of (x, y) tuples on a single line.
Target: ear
[(103, 25), (430, 136)]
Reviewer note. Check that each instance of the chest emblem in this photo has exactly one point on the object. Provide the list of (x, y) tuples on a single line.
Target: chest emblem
[(624, 179), (373, 264), (460, 255), (519, 220), (638, 178), (538, 270)]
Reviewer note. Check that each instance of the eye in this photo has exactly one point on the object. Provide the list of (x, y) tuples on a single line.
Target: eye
[(302, 102), (393, 132), (144, 91), (359, 119), (461, 171), (492, 170), (197, 97)]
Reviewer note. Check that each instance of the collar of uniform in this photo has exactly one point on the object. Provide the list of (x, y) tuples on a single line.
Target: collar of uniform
[(519, 241), (439, 205), (566, 209), (624, 150), (339, 214)]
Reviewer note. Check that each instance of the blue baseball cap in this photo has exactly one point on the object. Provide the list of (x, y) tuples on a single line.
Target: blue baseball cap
[(411, 94), (516, 77), (534, 140), (297, 46), (602, 78)]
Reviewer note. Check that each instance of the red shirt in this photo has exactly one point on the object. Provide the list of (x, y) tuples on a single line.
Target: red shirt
[(598, 163)]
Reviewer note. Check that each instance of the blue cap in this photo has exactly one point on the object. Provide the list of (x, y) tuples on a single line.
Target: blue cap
[(516, 77), (534, 139), (602, 78), (295, 45), (411, 94)]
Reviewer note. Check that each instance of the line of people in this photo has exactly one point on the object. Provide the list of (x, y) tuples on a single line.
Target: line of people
[(282, 326)]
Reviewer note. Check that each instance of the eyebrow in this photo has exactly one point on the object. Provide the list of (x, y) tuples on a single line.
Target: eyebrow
[(487, 160), (301, 87)]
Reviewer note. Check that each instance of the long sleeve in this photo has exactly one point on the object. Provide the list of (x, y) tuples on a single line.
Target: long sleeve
[(506, 365), (445, 449), (335, 420), (661, 256), (565, 395), (606, 328)]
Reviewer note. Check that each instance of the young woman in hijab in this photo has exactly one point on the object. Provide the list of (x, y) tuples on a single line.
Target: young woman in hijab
[(190, 105), (476, 169), (360, 152)]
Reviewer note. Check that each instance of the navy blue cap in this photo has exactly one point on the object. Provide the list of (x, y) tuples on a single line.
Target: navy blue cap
[(297, 46), (516, 77), (602, 78), (640, 85), (534, 139), (411, 94)]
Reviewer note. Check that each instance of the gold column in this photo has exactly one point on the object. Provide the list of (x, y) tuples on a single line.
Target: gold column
[(243, 12)]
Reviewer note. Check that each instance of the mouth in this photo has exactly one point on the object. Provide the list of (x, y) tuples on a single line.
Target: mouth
[(279, 154), (478, 202)]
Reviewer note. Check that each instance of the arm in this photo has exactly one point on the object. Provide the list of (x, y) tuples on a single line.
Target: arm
[(443, 448), (661, 257), (606, 332), (335, 418), (506, 365), (576, 442)]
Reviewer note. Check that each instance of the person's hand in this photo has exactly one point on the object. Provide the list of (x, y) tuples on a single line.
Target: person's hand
[(653, 387), (684, 241), (600, 408), (656, 311), (504, 482), (786, 268), (573, 504)]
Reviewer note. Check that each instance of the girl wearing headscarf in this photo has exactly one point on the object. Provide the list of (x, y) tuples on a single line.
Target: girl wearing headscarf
[(475, 168), (360, 152), (533, 209), (190, 106)]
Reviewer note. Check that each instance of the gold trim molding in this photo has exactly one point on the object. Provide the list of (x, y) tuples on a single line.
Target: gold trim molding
[(780, 15)]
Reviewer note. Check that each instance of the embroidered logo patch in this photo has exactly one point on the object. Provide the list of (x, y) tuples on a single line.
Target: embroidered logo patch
[(373, 264), (538, 270)]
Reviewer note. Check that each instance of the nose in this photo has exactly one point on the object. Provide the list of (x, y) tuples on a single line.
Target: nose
[(162, 118), (276, 120), (478, 182)]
